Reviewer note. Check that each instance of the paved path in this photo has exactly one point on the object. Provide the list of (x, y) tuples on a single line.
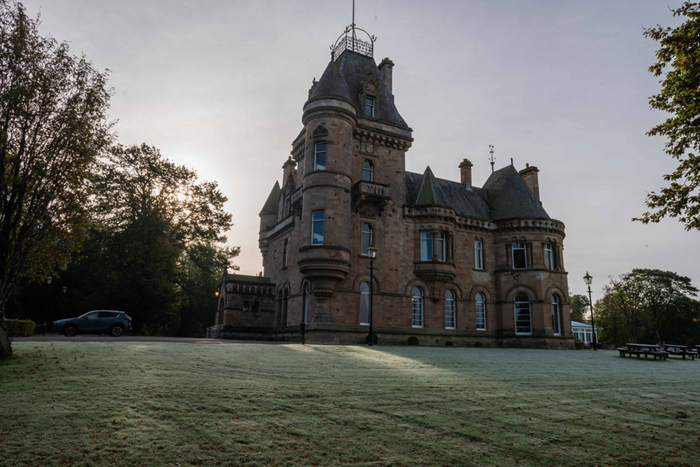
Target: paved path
[(105, 338)]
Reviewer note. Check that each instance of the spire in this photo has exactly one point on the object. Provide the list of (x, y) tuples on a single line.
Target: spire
[(428, 192), (273, 198)]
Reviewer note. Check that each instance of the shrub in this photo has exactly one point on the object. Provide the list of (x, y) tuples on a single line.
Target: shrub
[(448, 343), (579, 344), (413, 340), (20, 327), (478, 344)]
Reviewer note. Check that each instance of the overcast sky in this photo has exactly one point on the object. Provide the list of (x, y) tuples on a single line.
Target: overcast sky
[(563, 85)]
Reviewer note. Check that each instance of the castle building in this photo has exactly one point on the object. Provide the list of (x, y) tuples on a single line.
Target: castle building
[(455, 264)]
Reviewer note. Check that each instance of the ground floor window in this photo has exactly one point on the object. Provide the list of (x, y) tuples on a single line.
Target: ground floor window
[(450, 310), (364, 303), (417, 307), (480, 312), (523, 318), (556, 315)]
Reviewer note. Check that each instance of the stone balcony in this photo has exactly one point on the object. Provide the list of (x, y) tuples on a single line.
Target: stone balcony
[(370, 192)]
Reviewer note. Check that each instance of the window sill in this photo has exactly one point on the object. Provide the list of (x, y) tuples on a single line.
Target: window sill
[(417, 327), (481, 329), (523, 333), (450, 329)]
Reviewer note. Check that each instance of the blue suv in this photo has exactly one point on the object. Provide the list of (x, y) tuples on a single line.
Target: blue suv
[(112, 322)]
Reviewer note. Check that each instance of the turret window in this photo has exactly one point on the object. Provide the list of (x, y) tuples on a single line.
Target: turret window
[(367, 171), (317, 227), (519, 255), (369, 106), (320, 156), (549, 256)]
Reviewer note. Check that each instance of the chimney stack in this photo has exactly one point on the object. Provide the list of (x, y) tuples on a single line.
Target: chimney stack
[(385, 68), (529, 176), (465, 170)]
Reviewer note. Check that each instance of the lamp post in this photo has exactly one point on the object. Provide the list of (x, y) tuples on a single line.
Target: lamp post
[(372, 253), (48, 298), (588, 279)]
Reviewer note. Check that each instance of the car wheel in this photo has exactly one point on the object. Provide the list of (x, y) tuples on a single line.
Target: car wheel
[(70, 331), (117, 330)]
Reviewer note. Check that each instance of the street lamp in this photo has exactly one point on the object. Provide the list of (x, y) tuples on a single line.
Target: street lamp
[(588, 279), (372, 253)]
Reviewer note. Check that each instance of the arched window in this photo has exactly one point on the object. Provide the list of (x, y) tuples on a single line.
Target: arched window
[(480, 312), (307, 292), (523, 319), (450, 310), (417, 307), (285, 307), (367, 171), (364, 303), (556, 315)]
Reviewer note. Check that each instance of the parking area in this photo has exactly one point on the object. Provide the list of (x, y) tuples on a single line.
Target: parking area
[(106, 338)]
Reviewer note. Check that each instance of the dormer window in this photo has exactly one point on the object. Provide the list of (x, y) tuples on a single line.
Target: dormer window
[(369, 106), (320, 156), (367, 171)]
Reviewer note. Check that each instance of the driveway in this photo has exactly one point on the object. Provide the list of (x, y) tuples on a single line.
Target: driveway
[(106, 338)]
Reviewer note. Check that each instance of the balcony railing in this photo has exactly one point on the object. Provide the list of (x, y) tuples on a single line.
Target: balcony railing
[(365, 189)]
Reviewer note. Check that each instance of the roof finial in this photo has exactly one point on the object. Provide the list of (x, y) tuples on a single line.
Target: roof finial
[(491, 151), (348, 40)]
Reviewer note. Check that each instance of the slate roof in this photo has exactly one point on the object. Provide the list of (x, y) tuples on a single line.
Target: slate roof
[(345, 78), (510, 198), (504, 196), (273, 199)]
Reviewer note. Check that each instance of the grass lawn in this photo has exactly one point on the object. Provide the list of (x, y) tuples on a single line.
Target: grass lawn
[(133, 403)]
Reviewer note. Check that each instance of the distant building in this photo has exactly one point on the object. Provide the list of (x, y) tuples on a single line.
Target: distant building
[(584, 332), (455, 263)]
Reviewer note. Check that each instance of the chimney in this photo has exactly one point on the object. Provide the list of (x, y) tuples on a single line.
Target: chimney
[(529, 176), (385, 68), (465, 171)]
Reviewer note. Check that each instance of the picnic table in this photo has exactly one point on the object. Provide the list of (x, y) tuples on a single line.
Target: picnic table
[(644, 349), (675, 349)]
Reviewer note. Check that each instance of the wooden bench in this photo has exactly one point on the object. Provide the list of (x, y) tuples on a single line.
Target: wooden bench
[(643, 349), (681, 350)]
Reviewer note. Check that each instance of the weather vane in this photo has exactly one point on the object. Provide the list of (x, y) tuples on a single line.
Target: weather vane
[(491, 151)]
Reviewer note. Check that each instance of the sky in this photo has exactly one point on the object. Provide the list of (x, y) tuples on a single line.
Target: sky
[(219, 86)]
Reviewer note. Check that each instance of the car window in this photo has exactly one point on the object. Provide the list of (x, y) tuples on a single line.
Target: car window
[(92, 315), (108, 314)]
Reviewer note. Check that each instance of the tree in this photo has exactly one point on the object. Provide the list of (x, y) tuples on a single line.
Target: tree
[(652, 306), (53, 125), (611, 321), (678, 60), (580, 306), (158, 234)]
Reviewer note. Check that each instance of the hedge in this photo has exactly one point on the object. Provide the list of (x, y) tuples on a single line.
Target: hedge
[(20, 327)]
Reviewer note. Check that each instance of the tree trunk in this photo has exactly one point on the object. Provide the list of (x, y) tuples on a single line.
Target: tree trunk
[(5, 344)]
